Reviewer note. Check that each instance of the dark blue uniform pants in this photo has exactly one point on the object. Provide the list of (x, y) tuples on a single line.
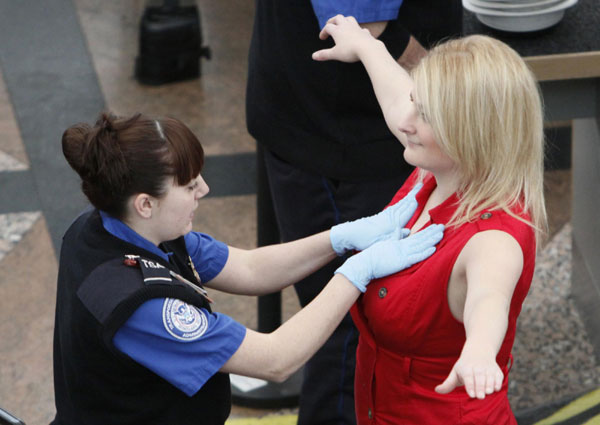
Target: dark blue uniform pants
[(306, 204)]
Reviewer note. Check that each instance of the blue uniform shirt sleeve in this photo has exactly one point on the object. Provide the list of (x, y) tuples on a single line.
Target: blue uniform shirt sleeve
[(208, 254), (183, 344), (362, 10)]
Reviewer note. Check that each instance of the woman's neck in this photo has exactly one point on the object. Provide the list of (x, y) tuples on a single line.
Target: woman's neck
[(446, 184)]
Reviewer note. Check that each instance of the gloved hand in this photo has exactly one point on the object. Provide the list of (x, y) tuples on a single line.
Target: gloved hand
[(387, 225), (389, 257)]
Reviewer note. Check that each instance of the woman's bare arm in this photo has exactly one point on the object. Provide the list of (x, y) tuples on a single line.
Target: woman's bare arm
[(493, 262)]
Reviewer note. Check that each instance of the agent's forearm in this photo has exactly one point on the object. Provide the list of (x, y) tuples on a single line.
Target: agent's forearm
[(271, 268), (277, 355), (280, 265), (325, 312)]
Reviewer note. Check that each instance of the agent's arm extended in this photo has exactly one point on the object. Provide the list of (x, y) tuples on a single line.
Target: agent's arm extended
[(271, 268), (276, 355)]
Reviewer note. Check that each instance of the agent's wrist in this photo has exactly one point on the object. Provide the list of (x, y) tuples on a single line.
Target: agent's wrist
[(337, 237)]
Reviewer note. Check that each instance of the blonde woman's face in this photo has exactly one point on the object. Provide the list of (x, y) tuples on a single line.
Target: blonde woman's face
[(421, 149)]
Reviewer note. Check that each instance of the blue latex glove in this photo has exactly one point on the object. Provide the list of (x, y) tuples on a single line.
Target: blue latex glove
[(389, 257), (387, 225)]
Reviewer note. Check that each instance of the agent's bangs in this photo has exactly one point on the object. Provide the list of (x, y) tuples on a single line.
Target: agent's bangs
[(187, 155)]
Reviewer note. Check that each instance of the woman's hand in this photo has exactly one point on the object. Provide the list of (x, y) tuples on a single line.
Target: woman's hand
[(386, 225), (349, 39), (477, 370)]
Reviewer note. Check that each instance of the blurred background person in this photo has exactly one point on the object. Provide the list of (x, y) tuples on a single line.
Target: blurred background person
[(328, 153)]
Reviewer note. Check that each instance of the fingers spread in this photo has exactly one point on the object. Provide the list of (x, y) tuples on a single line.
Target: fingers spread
[(326, 31), (321, 55)]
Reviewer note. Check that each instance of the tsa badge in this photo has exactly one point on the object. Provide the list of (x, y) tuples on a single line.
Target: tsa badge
[(183, 321)]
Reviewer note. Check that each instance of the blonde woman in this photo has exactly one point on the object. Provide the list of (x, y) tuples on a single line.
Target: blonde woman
[(436, 339)]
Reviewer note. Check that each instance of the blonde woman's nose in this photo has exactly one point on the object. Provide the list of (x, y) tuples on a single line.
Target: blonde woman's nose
[(406, 125)]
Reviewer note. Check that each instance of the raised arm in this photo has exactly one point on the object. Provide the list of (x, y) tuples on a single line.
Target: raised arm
[(392, 84), (493, 262)]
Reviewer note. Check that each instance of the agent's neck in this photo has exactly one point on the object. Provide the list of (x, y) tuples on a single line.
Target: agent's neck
[(142, 227)]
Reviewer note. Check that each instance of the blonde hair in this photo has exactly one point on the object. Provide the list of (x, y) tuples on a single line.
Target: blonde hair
[(485, 108)]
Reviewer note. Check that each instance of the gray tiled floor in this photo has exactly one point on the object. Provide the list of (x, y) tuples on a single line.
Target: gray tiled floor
[(553, 358)]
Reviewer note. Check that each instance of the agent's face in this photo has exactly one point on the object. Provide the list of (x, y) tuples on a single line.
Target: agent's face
[(174, 212), (421, 149)]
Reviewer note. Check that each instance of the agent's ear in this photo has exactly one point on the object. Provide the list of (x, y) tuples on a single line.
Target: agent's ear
[(143, 204)]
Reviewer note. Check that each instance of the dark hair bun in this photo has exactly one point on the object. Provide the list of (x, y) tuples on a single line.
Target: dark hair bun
[(74, 141), (95, 154), (105, 122)]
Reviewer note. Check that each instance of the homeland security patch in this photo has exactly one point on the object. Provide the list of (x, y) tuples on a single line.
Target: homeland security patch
[(183, 321)]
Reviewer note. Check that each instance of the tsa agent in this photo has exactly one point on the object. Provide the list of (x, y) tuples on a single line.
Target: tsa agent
[(136, 338)]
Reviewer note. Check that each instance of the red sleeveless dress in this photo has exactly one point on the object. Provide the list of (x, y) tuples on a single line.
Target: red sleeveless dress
[(409, 339)]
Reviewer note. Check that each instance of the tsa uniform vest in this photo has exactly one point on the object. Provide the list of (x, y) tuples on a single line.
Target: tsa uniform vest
[(97, 292)]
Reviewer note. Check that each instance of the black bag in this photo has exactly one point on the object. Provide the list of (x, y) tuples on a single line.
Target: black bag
[(170, 44)]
